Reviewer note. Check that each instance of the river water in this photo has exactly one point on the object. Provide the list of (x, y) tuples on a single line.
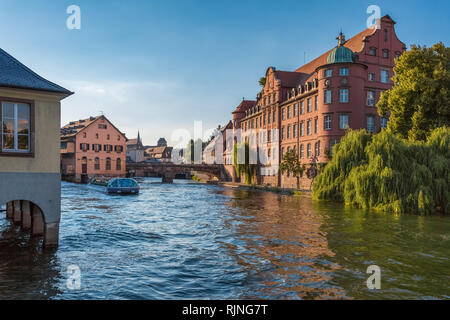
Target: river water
[(195, 241)]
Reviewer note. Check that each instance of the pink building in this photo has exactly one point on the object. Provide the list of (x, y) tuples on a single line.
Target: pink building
[(92, 147)]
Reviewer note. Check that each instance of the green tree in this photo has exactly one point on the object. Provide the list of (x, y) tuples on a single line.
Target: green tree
[(262, 81), (388, 173), (190, 154), (420, 100), (291, 164), (246, 168)]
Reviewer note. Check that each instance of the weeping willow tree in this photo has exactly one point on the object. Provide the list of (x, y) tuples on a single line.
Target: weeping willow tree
[(246, 169), (389, 173)]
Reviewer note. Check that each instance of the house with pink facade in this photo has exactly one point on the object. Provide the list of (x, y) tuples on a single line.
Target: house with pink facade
[(92, 147)]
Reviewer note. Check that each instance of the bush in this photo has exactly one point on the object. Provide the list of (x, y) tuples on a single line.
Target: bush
[(389, 173)]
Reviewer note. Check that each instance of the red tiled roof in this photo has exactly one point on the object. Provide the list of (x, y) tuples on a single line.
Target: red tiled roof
[(355, 44), (74, 127), (244, 105)]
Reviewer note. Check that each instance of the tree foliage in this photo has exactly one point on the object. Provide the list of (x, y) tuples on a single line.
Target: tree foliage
[(389, 173), (420, 100), (247, 169), (262, 81), (291, 164)]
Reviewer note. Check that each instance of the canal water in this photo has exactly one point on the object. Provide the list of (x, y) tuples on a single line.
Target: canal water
[(195, 241)]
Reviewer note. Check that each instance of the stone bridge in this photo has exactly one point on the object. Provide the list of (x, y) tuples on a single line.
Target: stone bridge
[(168, 170)]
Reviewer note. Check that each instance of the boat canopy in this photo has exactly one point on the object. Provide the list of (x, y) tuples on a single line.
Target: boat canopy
[(122, 183)]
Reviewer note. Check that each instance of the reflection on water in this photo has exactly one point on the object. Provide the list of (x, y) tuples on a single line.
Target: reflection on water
[(199, 241)]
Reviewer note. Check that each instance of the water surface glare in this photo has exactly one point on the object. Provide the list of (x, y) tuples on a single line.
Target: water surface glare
[(195, 241)]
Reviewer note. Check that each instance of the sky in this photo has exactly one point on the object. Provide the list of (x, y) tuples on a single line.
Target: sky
[(158, 66)]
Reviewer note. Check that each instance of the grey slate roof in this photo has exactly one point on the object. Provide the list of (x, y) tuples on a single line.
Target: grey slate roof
[(14, 74)]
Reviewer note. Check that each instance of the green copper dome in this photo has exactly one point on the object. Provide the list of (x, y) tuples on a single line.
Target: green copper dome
[(340, 54)]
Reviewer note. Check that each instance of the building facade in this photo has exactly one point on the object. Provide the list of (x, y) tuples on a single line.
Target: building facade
[(90, 148), (135, 150), (309, 109), (30, 181)]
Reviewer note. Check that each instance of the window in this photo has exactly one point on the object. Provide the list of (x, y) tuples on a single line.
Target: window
[(343, 121), (308, 150), (343, 95), (302, 107), (295, 110), (332, 143), (327, 96), (63, 145), (308, 128), (268, 153), (397, 54), (108, 164), (302, 128), (371, 123), (328, 73), (327, 122), (317, 148), (316, 125), (316, 102), (84, 135), (289, 112), (309, 105), (84, 147), (96, 136), (268, 117), (118, 137), (384, 76), (373, 51), (118, 149), (385, 53), (295, 130), (97, 163), (270, 99), (107, 137), (273, 116), (16, 127), (102, 126), (118, 164), (370, 98), (264, 119), (302, 151), (283, 114), (97, 147), (282, 133), (371, 76), (268, 135), (343, 72), (383, 122), (289, 132)]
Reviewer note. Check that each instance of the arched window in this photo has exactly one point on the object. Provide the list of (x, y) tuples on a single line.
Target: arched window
[(118, 164), (108, 164), (97, 163)]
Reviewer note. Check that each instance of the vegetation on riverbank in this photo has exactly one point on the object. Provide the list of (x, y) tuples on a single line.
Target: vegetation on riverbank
[(243, 167), (389, 173), (406, 167)]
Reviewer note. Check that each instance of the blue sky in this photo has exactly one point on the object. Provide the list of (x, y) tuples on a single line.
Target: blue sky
[(160, 65)]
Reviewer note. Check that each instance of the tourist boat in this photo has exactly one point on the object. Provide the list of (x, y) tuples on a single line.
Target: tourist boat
[(122, 186)]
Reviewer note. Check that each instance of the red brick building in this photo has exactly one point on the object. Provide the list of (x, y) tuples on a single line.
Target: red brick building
[(309, 109), (92, 147)]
